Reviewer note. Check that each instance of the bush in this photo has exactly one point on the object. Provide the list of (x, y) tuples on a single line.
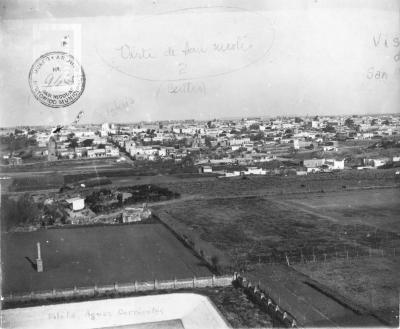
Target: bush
[(17, 212)]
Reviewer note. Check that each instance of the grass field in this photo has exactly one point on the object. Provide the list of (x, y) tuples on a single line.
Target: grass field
[(271, 227), (95, 255), (259, 230), (368, 282), (377, 208), (282, 185)]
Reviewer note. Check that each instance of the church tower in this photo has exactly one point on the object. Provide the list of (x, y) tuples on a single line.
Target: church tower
[(52, 148)]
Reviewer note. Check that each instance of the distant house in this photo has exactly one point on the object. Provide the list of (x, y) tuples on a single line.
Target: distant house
[(205, 169), (76, 203), (14, 161), (313, 163), (255, 171), (135, 214), (376, 162), (335, 164), (233, 174), (328, 148), (96, 153)]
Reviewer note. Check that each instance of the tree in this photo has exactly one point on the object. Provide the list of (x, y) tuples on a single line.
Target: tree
[(120, 198), (215, 262), (255, 126), (349, 122), (22, 211), (87, 143), (73, 143), (329, 129), (70, 136), (208, 141), (257, 137)]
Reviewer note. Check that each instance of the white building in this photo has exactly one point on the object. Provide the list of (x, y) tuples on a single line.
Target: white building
[(76, 203), (335, 164)]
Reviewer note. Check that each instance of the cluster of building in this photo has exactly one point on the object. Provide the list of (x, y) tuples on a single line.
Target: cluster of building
[(246, 142), (252, 142)]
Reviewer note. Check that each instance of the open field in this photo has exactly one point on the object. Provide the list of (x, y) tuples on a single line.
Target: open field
[(272, 226), (377, 208), (272, 185), (254, 231), (62, 165), (95, 255), (368, 282)]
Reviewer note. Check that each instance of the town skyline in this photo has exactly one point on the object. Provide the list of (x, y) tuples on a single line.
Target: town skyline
[(222, 118)]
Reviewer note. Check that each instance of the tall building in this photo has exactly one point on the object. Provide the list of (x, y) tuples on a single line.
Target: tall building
[(52, 147)]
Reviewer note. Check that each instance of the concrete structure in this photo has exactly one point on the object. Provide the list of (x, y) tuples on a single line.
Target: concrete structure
[(39, 262), (182, 310), (76, 203)]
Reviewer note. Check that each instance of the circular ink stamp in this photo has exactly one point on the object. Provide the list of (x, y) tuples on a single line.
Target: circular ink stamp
[(57, 79)]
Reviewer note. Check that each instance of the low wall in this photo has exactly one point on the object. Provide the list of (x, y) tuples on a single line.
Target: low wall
[(201, 282)]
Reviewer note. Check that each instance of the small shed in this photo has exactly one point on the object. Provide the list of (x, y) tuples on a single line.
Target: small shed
[(205, 169), (76, 203)]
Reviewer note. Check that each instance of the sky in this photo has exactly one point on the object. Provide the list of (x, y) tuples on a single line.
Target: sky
[(160, 60)]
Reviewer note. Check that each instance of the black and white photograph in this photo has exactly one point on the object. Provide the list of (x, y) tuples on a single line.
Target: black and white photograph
[(199, 164)]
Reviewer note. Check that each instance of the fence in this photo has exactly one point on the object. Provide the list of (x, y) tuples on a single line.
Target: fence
[(201, 282), (266, 303), (349, 254)]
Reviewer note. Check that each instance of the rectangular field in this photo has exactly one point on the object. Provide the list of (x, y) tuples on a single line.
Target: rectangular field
[(255, 231), (95, 255)]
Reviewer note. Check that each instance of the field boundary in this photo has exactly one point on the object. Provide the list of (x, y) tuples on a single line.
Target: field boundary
[(264, 300), (130, 287)]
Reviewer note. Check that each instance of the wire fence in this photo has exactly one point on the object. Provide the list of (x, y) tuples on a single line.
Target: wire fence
[(246, 261), (298, 257)]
